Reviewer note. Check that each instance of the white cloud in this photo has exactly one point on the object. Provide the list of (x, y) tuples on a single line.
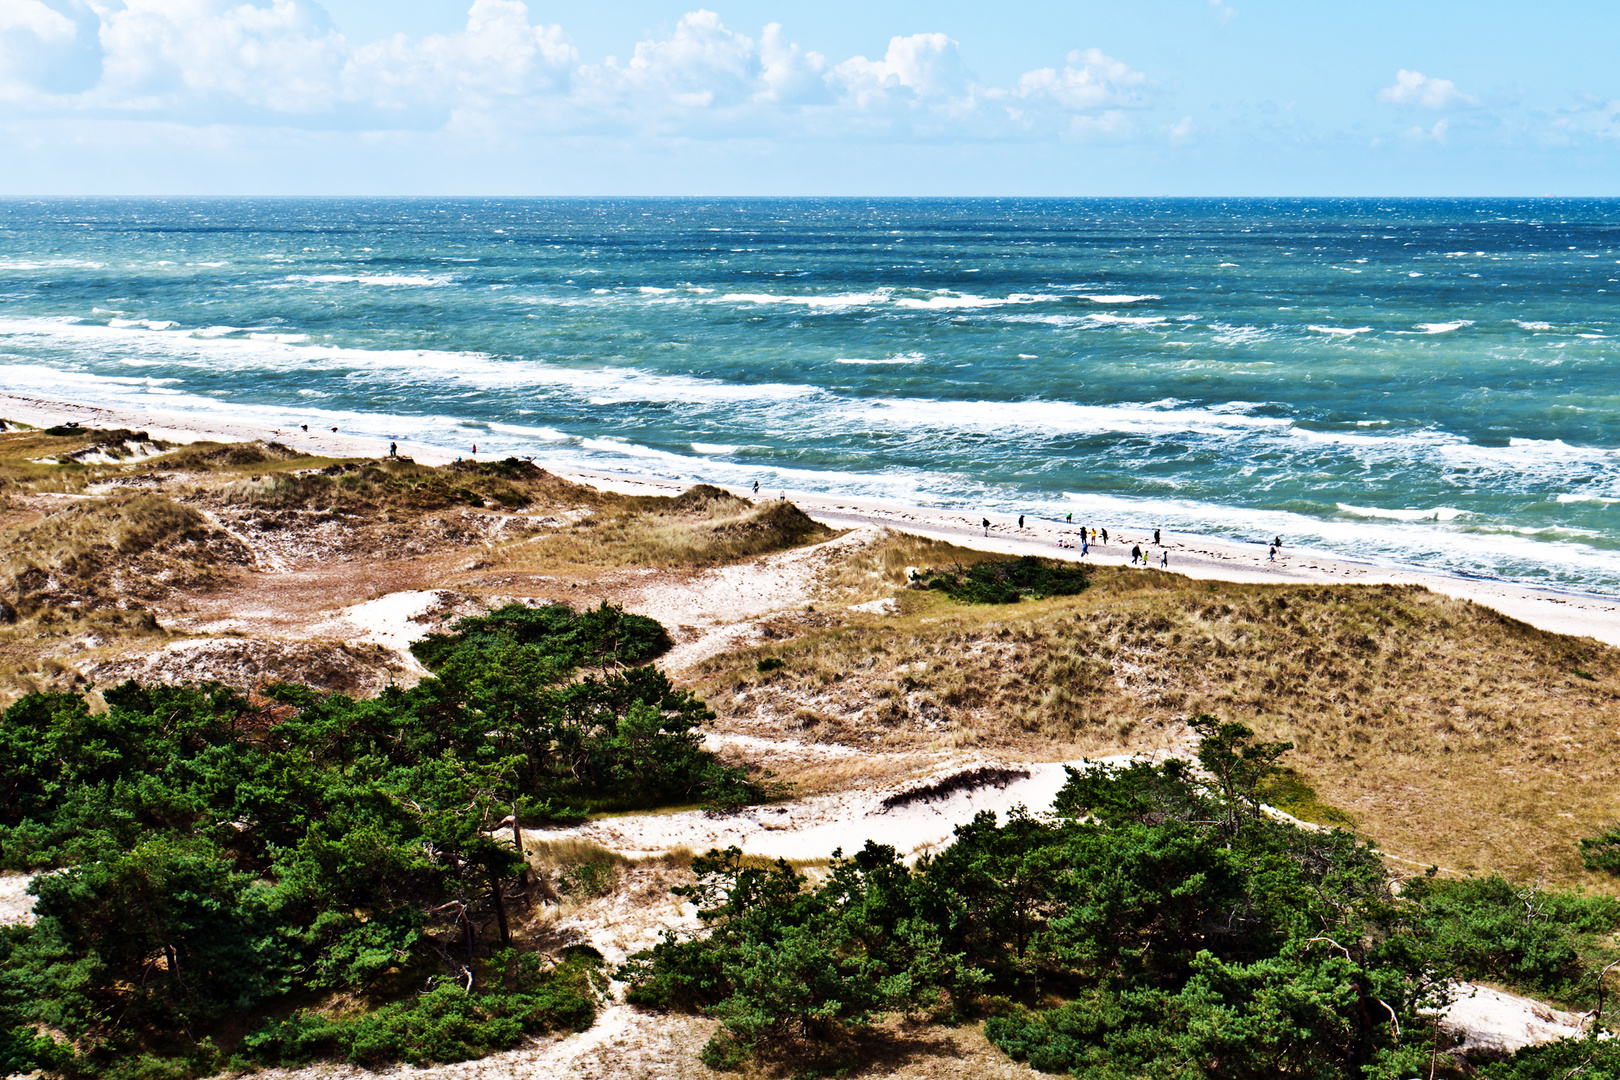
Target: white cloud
[(283, 62), (1417, 89), (281, 56), (791, 75), (702, 64), (44, 49), (920, 66), (498, 56), (1090, 80), (35, 18), (1435, 134)]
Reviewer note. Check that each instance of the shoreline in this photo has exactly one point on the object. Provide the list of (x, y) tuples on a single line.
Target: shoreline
[(1556, 609)]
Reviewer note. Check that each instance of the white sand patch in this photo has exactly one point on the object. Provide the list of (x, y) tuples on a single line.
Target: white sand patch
[(706, 642), (1490, 1021), (885, 606), (773, 749), (729, 594), (814, 828), (16, 906), (389, 621)]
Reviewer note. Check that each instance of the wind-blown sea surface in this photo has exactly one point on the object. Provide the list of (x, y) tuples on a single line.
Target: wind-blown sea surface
[(1431, 382)]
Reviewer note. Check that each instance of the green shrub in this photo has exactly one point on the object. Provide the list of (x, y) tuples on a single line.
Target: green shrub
[(1008, 581), (1602, 852), (1526, 938), (572, 639)]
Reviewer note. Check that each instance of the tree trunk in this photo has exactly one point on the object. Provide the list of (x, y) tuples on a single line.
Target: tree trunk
[(523, 877), (500, 905)]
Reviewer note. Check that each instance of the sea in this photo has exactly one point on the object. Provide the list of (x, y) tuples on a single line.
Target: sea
[(1423, 383)]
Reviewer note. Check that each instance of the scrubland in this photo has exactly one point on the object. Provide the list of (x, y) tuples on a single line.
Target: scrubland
[(1444, 733)]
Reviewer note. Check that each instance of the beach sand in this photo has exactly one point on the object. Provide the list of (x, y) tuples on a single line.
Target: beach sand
[(1557, 610)]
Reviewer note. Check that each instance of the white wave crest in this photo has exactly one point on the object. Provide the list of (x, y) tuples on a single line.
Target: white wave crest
[(720, 449), (1340, 331), (546, 434), (1443, 327), (143, 324), (1050, 416), (823, 300), (371, 279), (1119, 298), (1533, 324), (1438, 513), (1100, 319)]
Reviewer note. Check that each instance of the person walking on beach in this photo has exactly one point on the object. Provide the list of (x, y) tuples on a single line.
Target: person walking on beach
[(475, 448), (1276, 542), (1164, 560), (987, 526), (756, 489), (1156, 538), (1085, 545), (1020, 521), (1271, 556), (1136, 553), (1070, 518), (393, 449)]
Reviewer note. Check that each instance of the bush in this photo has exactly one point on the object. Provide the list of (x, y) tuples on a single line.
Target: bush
[(1602, 852), (1189, 936), (572, 639), (218, 862), (1531, 940), (1008, 581)]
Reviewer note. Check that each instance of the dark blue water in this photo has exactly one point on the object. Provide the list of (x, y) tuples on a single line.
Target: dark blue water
[(1430, 382)]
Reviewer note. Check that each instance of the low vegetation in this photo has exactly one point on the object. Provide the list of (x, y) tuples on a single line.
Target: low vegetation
[(1159, 926), (1007, 581), (1450, 733), (279, 878)]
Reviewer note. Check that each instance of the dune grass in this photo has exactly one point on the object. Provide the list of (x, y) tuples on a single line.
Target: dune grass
[(699, 528), (1448, 732)]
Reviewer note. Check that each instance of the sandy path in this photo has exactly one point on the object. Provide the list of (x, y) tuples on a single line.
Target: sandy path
[(710, 611), (814, 828), (16, 906)]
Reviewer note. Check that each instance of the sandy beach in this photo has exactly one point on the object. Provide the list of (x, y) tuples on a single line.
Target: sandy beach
[(1556, 610)]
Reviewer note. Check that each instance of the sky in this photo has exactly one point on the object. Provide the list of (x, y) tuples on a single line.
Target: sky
[(786, 97)]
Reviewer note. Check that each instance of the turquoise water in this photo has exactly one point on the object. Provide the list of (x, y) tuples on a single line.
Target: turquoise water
[(1423, 382)]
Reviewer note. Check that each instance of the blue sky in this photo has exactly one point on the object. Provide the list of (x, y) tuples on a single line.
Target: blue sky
[(1143, 97)]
